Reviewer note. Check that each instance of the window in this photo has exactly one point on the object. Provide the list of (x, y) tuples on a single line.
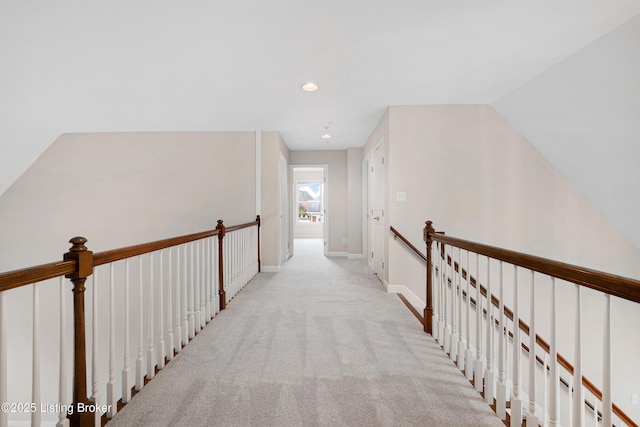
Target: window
[(309, 199)]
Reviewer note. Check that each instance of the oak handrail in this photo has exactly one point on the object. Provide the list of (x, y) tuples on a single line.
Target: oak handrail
[(397, 234), (622, 287)]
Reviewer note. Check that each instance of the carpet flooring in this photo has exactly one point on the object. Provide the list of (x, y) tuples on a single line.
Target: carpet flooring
[(319, 343)]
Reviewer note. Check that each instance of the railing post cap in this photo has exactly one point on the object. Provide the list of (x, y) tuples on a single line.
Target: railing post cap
[(78, 244)]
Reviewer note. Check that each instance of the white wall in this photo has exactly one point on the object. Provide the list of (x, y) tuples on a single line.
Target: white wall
[(469, 171), (118, 189), (582, 115), (354, 196), (272, 147)]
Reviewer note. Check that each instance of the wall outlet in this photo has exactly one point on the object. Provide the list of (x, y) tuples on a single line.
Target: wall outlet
[(634, 399)]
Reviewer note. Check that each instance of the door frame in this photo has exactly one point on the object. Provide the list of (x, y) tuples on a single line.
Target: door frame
[(326, 195), (368, 217)]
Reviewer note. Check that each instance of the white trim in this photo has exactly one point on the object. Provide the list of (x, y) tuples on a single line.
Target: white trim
[(415, 301), (356, 256), (258, 172), (270, 268), (342, 254)]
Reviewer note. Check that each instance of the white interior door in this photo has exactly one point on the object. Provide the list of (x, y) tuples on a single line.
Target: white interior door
[(376, 214)]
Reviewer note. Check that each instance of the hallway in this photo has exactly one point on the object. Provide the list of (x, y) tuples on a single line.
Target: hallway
[(318, 344)]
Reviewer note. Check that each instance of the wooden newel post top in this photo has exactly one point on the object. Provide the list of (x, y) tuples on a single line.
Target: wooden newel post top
[(222, 229), (428, 228), (83, 256), (258, 220)]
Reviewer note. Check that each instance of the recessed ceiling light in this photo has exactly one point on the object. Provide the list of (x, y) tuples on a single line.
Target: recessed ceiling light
[(326, 136), (310, 87)]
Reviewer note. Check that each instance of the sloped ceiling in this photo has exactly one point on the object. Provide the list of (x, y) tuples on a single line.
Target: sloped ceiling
[(85, 66), (583, 115)]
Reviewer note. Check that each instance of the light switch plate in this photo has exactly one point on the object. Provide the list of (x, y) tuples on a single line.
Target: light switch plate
[(401, 196)]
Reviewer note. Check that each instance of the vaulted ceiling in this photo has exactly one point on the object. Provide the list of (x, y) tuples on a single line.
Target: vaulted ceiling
[(72, 66)]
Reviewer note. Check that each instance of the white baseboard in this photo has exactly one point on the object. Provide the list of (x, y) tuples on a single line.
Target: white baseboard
[(415, 301), (270, 268), (356, 256), (342, 254)]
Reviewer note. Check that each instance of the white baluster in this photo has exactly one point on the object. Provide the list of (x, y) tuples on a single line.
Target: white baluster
[(203, 302), (458, 290), (554, 391), (207, 287), (191, 285), (63, 421), (516, 401), (545, 399), (126, 370), (185, 289), (478, 372), (161, 343), (95, 390), (151, 350), (532, 419), (178, 300), (448, 318), (443, 297), (578, 392), (3, 356), (489, 374), (140, 359), (435, 294), (35, 378), (170, 337), (216, 279), (196, 287), (501, 396), (453, 344), (469, 358), (606, 365), (111, 385)]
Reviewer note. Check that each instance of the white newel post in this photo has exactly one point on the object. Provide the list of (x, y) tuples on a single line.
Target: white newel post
[(161, 344)]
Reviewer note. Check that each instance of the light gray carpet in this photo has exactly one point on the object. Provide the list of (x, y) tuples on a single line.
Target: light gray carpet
[(318, 344)]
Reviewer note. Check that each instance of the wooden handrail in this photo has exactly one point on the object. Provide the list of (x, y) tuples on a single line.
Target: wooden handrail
[(27, 276), (622, 287), (619, 286), (397, 234)]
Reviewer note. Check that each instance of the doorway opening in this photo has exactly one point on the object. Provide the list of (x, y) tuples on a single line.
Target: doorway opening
[(309, 215)]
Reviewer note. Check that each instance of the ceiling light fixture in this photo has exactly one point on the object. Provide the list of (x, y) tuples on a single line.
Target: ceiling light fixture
[(326, 136), (310, 87)]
